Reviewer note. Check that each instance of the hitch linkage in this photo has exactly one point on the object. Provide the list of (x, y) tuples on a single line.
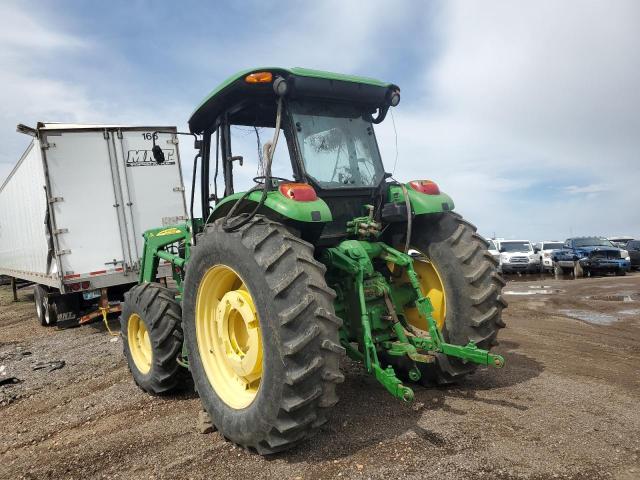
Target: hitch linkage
[(389, 332)]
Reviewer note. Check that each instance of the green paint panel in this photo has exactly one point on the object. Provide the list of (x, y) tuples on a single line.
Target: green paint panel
[(299, 211), (421, 203)]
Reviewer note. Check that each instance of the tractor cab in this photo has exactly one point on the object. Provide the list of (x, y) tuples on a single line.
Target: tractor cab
[(325, 121)]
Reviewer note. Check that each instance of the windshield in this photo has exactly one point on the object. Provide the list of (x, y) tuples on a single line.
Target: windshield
[(592, 242), (552, 246), (515, 246), (338, 146)]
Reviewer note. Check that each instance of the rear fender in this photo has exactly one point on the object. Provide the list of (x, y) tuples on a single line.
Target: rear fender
[(421, 204), (278, 206)]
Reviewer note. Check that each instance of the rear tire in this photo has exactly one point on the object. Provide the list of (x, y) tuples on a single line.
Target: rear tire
[(472, 288), (45, 307), (298, 331), (39, 298), (154, 311)]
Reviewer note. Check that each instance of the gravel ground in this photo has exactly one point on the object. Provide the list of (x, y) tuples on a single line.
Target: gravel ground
[(567, 405)]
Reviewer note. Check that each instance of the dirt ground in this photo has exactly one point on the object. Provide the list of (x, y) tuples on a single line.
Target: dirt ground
[(567, 404)]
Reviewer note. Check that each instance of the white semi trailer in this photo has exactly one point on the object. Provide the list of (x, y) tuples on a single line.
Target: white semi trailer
[(73, 210)]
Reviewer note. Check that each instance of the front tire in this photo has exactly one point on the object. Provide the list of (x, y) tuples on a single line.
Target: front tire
[(150, 326), (467, 302), (261, 271)]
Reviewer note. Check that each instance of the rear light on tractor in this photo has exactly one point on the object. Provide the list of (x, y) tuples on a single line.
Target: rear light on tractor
[(425, 186), (259, 77), (300, 192)]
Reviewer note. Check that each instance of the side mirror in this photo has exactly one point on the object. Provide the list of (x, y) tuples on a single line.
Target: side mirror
[(501, 250), (536, 250), (158, 154)]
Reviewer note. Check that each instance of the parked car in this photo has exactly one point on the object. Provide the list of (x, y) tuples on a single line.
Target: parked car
[(517, 256), (633, 247), (544, 249), (589, 255), (493, 250), (620, 241)]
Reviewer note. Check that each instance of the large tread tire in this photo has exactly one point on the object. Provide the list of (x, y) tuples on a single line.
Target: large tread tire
[(301, 349), (161, 313), (472, 286)]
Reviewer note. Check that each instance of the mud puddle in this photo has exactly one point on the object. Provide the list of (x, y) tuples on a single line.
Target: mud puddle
[(534, 290), (596, 318), (611, 298)]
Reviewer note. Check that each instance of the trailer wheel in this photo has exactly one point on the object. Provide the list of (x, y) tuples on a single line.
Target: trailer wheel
[(262, 334), (460, 277), (45, 309), (151, 330), (39, 296)]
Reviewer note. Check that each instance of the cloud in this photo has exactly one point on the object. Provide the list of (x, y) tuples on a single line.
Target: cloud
[(590, 189), (27, 92), (46, 75), (523, 98)]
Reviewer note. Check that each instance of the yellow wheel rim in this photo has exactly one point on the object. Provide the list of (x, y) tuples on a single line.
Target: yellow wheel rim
[(139, 343), (228, 335), (432, 287)]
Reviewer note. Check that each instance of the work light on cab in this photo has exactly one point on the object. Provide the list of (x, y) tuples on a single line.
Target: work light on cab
[(300, 192), (259, 77), (425, 186)]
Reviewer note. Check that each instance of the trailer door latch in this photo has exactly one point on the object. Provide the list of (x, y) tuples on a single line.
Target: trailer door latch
[(63, 252), (47, 145), (56, 199), (58, 231)]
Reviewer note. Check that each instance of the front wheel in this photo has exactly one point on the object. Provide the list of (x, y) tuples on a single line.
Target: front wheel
[(460, 277), (262, 334), (150, 326)]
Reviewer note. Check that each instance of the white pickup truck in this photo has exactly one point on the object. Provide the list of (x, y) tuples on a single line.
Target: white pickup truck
[(517, 256), (543, 250)]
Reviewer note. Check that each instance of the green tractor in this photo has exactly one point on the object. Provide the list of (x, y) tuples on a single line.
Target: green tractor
[(275, 284)]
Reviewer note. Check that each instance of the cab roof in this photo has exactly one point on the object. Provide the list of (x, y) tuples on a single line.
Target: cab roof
[(236, 94)]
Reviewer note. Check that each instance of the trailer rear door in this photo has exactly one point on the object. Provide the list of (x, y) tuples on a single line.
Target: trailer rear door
[(153, 193), (87, 210)]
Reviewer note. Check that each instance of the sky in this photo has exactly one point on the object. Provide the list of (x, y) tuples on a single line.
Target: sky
[(526, 113)]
